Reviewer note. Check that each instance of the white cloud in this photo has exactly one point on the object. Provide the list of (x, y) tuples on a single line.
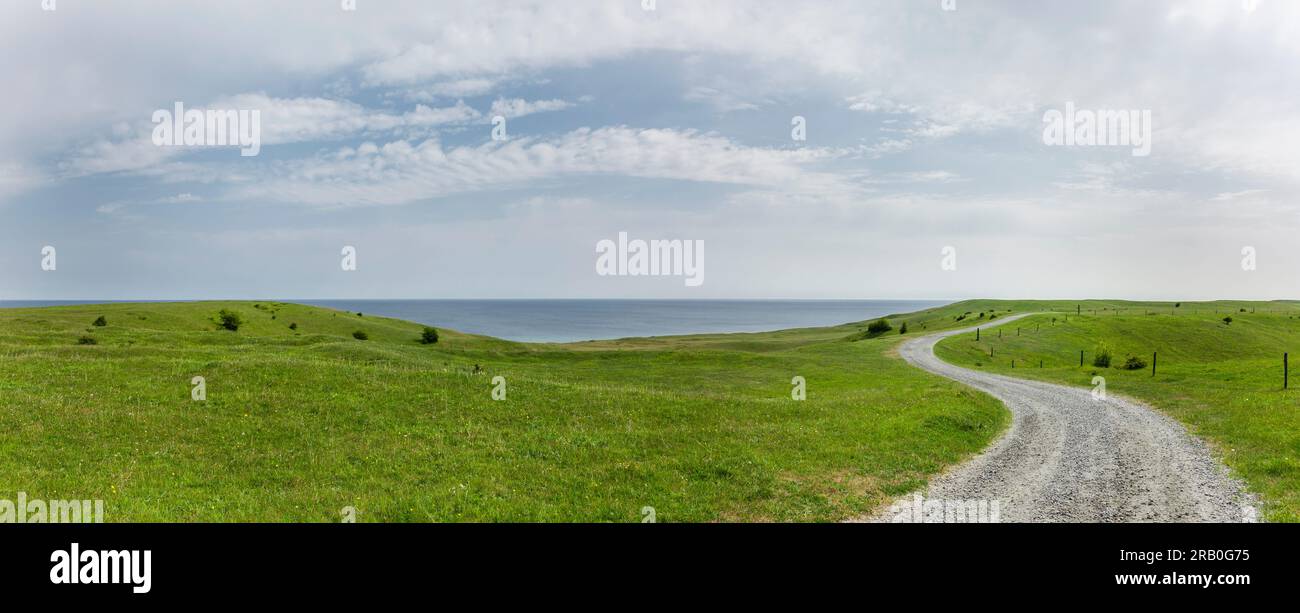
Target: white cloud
[(517, 107), (283, 121), (718, 100), (400, 171), (463, 88), (16, 178)]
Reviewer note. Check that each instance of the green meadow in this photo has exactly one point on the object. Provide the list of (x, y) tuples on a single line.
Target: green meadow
[(299, 424), (1223, 380)]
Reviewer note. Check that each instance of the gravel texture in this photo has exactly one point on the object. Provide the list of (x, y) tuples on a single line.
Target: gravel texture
[(1068, 457)]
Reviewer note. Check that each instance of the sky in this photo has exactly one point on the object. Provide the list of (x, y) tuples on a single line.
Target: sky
[(923, 170)]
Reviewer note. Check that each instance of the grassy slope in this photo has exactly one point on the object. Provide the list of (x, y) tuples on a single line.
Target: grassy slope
[(1223, 380), (299, 424)]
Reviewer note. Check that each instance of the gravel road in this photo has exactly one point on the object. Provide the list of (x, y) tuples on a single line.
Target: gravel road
[(1068, 457)]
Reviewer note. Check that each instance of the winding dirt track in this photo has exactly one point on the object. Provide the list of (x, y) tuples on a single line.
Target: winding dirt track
[(1068, 457)]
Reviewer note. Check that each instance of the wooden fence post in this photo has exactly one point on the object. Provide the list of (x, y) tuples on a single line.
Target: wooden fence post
[(1080, 357), (1153, 363)]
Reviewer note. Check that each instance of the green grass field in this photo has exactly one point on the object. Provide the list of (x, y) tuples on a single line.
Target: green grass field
[(1224, 381), (299, 424)]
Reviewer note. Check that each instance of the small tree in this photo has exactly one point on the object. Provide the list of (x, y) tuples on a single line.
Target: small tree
[(101, 322), (230, 320), (429, 336), (361, 335), (903, 328), (1228, 320), (293, 326)]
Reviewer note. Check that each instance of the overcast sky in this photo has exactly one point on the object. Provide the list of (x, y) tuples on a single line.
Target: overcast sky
[(924, 130)]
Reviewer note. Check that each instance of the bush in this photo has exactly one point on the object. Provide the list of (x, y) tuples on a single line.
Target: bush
[(1227, 320), (1134, 363), (230, 320), (903, 328), (1101, 357), (293, 326), (429, 336), (360, 335), (880, 326), (101, 322), (87, 340)]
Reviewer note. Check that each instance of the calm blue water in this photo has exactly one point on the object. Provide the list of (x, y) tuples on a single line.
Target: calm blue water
[(577, 320)]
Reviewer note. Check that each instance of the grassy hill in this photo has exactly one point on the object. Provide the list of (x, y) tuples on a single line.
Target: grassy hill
[(1224, 380), (301, 423)]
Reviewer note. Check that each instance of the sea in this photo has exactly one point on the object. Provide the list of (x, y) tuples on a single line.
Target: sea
[(562, 321)]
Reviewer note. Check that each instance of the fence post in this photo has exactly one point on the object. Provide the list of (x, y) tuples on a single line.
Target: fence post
[(1153, 363), (1013, 363), (1080, 357), (977, 335), (1286, 371)]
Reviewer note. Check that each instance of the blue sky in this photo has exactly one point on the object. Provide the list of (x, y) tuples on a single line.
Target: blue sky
[(924, 130)]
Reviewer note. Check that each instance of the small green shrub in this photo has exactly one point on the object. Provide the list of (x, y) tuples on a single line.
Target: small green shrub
[(1101, 356), (1227, 320), (1134, 363), (87, 340), (101, 322), (903, 328), (293, 326), (361, 335), (230, 320), (880, 326), (429, 336)]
